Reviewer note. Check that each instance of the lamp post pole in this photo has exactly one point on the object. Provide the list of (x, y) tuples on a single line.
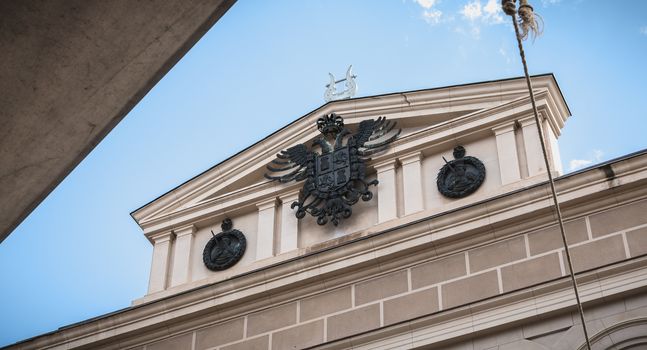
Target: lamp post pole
[(531, 24)]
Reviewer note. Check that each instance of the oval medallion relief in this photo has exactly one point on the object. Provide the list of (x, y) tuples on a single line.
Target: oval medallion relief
[(225, 249)]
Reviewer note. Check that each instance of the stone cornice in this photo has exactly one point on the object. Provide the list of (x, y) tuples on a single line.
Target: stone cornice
[(392, 246)]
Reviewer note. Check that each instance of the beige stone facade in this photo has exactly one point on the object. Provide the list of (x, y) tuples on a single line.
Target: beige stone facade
[(410, 268)]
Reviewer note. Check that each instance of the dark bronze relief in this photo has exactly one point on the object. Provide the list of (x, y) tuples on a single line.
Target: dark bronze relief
[(460, 177), (333, 167), (225, 249)]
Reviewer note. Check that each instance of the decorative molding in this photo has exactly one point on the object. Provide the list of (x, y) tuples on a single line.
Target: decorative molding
[(289, 197), (185, 230), (503, 128), (266, 204), (410, 158), (526, 121), (385, 165), (162, 236)]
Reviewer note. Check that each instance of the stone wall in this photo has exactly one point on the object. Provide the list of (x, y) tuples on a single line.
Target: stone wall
[(614, 325), (433, 286)]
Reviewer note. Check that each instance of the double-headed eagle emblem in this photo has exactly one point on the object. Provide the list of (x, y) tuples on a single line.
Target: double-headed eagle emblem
[(334, 168)]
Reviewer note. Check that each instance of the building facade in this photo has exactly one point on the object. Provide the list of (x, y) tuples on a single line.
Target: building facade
[(456, 249)]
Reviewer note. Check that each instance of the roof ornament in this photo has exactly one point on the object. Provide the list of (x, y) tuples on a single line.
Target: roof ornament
[(331, 93)]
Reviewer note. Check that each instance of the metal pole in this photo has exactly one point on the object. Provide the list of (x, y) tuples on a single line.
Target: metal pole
[(550, 180)]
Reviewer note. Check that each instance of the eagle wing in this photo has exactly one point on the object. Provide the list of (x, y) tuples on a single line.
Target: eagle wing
[(374, 135), (290, 164)]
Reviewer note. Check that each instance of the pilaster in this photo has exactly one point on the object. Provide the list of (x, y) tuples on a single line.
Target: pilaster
[(265, 233), (289, 223), (182, 254), (412, 182), (506, 147), (159, 265), (532, 146), (553, 148), (387, 208)]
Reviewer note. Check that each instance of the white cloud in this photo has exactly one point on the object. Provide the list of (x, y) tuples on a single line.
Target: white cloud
[(476, 32), (432, 16), (477, 14), (578, 163), (472, 10), (427, 4), (493, 11), (505, 55), (550, 2), (643, 30), (596, 156), (490, 13)]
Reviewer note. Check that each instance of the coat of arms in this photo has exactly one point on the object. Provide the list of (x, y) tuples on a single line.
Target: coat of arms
[(224, 249), (334, 167), (460, 177)]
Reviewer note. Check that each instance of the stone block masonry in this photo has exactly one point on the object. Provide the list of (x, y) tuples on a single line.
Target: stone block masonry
[(527, 259)]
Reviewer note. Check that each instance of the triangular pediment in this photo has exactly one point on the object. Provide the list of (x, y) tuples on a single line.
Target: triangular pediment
[(238, 181)]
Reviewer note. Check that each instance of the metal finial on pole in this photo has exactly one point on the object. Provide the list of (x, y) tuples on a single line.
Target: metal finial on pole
[(531, 23)]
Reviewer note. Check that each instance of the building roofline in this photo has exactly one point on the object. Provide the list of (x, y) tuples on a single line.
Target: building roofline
[(333, 102)]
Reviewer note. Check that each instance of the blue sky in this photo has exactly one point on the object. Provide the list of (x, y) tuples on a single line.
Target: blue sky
[(264, 64)]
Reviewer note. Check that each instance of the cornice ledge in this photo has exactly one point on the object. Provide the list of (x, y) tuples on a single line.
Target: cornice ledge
[(245, 198)]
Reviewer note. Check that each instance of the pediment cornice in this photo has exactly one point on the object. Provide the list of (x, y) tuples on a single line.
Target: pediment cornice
[(439, 114)]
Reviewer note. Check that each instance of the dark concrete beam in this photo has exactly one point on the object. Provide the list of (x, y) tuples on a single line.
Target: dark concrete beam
[(70, 71)]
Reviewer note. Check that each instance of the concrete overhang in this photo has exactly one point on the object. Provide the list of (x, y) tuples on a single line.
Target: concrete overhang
[(70, 71)]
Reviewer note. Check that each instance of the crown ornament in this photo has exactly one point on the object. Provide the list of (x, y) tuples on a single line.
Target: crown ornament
[(330, 124)]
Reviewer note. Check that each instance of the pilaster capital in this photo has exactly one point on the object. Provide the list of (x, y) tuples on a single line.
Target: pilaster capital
[(161, 237), (266, 204), (289, 197), (185, 230), (410, 158), (503, 128), (527, 121), (385, 165)]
